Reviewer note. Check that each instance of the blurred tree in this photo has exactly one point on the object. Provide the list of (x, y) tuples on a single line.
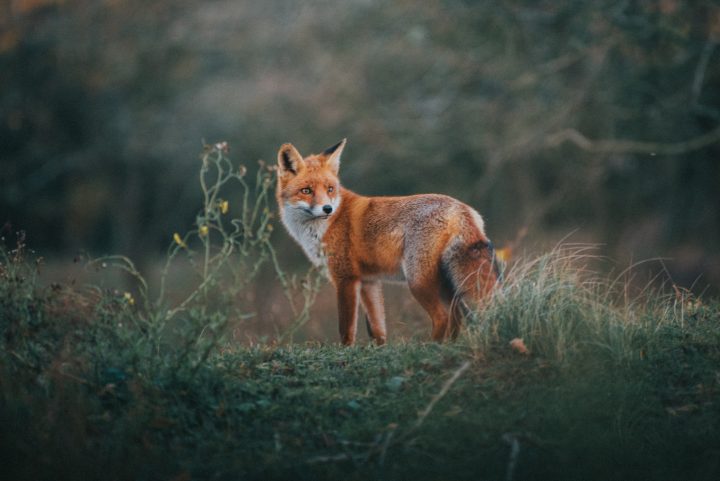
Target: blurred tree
[(553, 115)]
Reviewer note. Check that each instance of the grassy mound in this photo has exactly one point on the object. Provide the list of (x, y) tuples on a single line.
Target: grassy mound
[(602, 388)]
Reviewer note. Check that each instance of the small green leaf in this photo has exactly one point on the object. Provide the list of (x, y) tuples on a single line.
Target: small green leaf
[(395, 383)]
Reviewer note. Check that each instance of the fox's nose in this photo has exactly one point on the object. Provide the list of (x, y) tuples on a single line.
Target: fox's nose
[(327, 208)]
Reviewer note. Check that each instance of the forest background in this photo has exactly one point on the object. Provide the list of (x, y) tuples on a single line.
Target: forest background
[(594, 120)]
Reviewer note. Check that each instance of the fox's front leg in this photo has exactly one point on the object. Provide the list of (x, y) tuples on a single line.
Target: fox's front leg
[(347, 299)]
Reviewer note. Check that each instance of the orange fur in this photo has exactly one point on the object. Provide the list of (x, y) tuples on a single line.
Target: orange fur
[(435, 242)]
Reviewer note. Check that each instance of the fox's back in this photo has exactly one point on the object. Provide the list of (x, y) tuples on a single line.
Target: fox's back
[(392, 234)]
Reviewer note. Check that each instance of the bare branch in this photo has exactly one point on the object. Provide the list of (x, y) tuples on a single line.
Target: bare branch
[(632, 146), (332, 459)]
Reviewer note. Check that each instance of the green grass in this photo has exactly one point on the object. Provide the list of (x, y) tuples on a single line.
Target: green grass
[(612, 389)]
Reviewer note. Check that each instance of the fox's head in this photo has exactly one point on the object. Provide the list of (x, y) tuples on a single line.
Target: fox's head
[(309, 186)]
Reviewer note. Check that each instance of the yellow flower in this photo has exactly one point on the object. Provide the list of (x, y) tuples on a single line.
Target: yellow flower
[(204, 230), (129, 298), (504, 254), (224, 206), (179, 241)]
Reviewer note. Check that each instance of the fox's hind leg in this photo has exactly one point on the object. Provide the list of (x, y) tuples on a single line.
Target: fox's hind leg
[(428, 293), (422, 269), (372, 300)]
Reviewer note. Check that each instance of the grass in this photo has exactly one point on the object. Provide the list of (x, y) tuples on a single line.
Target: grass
[(96, 385), (602, 395)]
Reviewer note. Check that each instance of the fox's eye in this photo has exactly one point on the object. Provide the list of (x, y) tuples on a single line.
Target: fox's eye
[(306, 190), (330, 189)]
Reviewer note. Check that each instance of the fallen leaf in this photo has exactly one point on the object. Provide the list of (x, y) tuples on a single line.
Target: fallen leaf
[(519, 346)]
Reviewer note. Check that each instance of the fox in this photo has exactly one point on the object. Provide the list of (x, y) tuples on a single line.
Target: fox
[(434, 242)]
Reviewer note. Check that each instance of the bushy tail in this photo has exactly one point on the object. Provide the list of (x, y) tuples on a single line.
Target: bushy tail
[(471, 271)]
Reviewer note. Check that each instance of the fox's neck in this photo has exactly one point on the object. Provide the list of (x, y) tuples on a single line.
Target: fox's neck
[(309, 232)]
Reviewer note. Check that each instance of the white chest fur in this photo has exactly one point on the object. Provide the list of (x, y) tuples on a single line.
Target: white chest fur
[(307, 231)]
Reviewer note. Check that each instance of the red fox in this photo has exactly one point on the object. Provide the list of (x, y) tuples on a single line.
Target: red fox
[(434, 242)]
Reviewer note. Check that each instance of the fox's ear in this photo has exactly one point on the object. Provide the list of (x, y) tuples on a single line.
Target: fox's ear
[(333, 154), (289, 160)]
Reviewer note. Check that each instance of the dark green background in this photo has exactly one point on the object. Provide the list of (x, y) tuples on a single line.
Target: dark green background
[(104, 105)]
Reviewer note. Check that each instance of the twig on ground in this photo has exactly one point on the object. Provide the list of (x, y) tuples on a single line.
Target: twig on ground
[(512, 440), (383, 442), (446, 387), (386, 443)]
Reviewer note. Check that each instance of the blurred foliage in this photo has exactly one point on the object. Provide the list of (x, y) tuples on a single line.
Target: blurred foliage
[(103, 104)]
